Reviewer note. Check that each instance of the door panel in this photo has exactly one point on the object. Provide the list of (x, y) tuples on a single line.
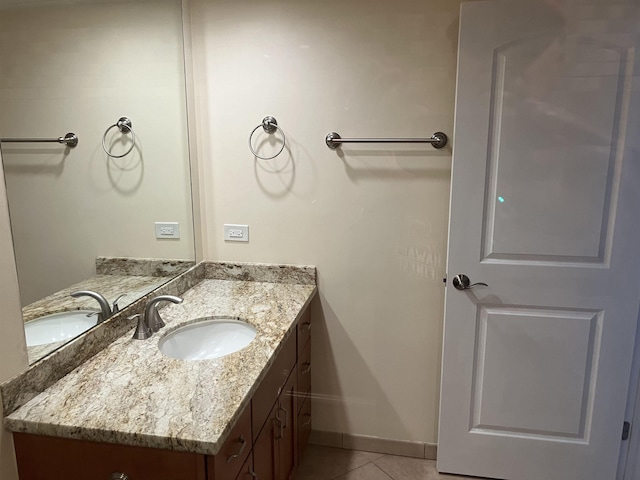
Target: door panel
[(544, 209), (533, 162), (533, 372)]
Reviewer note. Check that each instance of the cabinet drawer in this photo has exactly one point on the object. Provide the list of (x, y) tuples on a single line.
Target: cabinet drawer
[(272, 385), (304, 373), (304, 330), (227, 463), (304, 426), (54, 458)]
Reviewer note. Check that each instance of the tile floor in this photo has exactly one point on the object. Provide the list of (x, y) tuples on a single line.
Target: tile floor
[(326, 463)]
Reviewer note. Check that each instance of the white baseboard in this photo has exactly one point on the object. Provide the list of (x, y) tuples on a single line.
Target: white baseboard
[(366, 443)]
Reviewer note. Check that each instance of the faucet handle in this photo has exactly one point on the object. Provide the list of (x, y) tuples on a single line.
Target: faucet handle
[(151, 314), (142, 330), (114, 306)]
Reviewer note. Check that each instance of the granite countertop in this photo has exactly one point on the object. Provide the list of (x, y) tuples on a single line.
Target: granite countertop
[(131, 278), (132, 394), (111, 286)]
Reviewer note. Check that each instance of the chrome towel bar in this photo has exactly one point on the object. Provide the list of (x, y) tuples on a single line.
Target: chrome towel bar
[(70, 140), (437, 140)]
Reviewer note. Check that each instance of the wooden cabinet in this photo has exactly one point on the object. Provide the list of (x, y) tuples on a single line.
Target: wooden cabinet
[(246, 472), (304, 330), (287, 419), (228, 462), (265, 443), (304, 425), (304, 374), (53, 458), (265, 448), (275, 448), (272, 384)]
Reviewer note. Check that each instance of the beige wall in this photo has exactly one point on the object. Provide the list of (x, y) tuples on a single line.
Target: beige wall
[(13, 352), (79, 67), (372, 218)]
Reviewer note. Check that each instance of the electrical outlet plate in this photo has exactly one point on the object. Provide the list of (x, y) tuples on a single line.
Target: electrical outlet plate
[(167, 230), (236, 233)]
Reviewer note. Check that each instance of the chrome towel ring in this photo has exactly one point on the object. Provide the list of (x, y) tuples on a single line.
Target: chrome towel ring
[(124, 125), (269, 125)]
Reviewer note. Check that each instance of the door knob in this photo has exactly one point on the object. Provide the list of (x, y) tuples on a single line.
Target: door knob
[(462, 282)]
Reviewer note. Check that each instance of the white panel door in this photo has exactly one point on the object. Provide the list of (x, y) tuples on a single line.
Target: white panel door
[(545, 209)]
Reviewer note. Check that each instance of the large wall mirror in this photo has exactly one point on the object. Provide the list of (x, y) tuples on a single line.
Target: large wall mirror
[(81, 219)]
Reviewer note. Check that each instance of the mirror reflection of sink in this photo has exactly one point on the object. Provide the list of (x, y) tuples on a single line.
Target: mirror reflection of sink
[(207, 338), (58, 326)]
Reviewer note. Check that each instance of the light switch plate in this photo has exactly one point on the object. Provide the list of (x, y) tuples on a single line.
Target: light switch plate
[(236, 233)]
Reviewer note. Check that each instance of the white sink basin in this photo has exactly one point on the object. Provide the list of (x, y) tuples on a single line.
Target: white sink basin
[(207, 338), (58, 327)]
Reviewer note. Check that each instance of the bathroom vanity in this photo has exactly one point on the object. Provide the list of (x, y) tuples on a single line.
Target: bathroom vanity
[(131, 412)]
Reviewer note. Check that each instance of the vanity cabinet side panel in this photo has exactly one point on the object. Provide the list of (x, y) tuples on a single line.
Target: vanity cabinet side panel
[(53, 458)]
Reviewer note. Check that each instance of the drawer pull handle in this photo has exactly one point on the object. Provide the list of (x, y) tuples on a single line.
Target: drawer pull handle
[(307, 369), (119, 476), (280, 427), (308, 422), (307, 325), (252, 473), (286, 414), (243, 443)]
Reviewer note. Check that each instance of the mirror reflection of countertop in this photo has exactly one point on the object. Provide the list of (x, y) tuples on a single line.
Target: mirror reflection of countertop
[(133, 278), (130, 393)]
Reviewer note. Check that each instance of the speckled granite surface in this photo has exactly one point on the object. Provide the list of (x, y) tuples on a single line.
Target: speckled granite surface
[(115, 276), (130, 393), (111, 286), (146, 267), (41, 375), (261, 272)]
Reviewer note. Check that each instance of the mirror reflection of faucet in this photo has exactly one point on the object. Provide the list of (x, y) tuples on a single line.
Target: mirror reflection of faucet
[(106, 310), (150, 322), (114, 306)]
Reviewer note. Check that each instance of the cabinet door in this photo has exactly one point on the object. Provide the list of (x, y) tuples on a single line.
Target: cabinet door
[(304, 330), (265, 449), (287, 418), (246, 472), (304, 426), (304, 374)]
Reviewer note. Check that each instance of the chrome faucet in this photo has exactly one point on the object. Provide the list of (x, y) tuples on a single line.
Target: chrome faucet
[(151, 315), (105, 309), (150, 322)]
